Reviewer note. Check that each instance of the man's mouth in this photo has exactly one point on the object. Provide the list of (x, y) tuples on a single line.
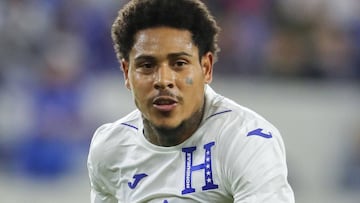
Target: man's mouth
[(165, 103)]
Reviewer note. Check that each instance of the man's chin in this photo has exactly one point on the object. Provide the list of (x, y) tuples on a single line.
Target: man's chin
[(167, 127)]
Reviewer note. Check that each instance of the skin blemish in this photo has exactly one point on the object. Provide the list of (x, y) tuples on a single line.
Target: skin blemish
[(189, 81)]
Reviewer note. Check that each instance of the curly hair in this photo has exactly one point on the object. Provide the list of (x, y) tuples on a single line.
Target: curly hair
[(191, 15)]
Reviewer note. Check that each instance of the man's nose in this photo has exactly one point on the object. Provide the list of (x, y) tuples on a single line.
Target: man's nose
[(164, 77)]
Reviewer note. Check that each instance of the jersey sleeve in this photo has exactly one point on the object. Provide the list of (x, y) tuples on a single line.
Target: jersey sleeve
[(99, 196), (99, 191), (257, 169)]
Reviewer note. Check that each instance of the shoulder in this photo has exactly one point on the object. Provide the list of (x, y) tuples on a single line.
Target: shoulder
[(108, 148), (109, 138), (239, 128), (230, 114), (248, 139)]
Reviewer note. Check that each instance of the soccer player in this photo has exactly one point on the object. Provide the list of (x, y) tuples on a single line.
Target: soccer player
[(184, 142)]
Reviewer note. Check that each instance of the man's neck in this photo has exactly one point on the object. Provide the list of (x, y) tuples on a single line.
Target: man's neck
[(173, 136)]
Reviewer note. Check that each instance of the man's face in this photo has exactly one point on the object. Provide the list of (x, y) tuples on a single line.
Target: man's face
[(166, 75)]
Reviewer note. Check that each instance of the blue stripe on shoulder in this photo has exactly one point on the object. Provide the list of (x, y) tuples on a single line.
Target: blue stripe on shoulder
[(221, 112), (128, 125)]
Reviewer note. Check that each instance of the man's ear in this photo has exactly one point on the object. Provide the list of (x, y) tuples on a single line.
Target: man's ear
[(125, 69), (207, 63)]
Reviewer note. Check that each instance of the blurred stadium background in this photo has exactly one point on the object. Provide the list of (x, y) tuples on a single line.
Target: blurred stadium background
[(297, 62)]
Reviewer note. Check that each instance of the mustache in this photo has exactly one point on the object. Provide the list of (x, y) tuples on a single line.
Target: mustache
[(167, 93)]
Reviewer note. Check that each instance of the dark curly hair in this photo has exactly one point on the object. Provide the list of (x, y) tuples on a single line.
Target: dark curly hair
[(191, 15)]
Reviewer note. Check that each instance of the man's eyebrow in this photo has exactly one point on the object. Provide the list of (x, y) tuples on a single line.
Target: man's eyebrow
[(169, 56), (174, 55), (144, 57)]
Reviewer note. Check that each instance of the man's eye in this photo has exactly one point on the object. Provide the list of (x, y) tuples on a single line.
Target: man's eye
[(146, 65), (180, 63)]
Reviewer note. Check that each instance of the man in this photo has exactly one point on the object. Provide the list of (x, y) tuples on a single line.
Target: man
[(184, 143)]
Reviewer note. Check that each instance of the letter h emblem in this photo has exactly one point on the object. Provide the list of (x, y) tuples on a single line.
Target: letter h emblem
[(206, 166)]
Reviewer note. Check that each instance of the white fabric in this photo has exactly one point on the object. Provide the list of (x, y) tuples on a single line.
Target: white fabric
[(234, 156)]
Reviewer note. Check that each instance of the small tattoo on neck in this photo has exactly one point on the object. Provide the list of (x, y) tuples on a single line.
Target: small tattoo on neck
[(189, 81)]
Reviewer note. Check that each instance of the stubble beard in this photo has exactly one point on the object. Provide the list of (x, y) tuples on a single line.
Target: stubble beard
[(173, 135)]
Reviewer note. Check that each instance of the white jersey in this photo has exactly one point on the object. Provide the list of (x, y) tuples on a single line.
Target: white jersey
[(234, 156)]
